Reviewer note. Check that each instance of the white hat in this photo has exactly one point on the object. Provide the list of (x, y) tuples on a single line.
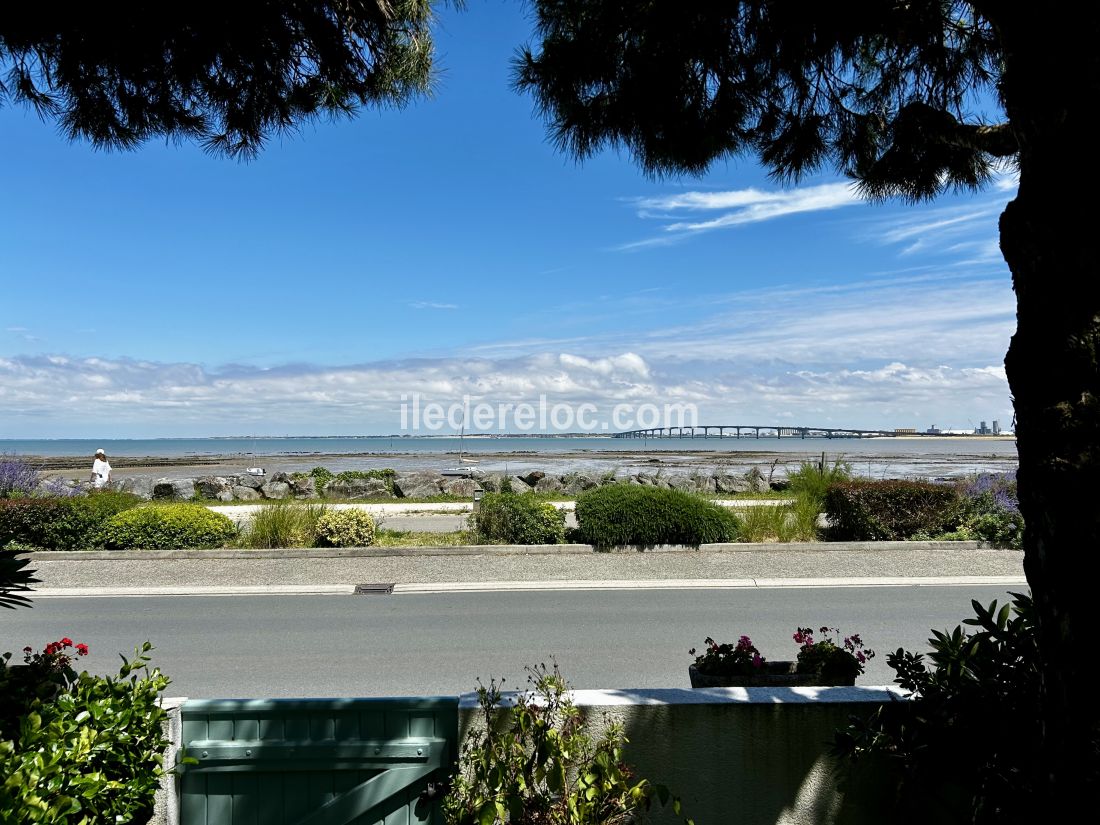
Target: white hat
[(100, 451)]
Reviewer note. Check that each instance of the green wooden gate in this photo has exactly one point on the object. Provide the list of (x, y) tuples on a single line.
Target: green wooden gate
[(315, 761)]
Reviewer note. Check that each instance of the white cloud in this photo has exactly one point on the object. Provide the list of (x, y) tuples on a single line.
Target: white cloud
[(740, 207), (876, 353), (432, 305)]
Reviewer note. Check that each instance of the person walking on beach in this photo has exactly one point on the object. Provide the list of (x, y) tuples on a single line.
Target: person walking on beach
[(101, 470)]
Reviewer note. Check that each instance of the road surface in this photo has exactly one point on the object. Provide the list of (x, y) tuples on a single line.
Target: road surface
[(272, 646)]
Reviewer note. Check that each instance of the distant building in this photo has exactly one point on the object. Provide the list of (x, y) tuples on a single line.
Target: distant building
[(996, 427), (905, 430), (933, 430), (983, 430)]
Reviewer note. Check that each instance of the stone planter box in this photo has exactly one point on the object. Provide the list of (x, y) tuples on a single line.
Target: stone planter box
[(772, 674)]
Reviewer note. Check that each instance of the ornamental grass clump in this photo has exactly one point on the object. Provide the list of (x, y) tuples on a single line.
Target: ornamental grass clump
[(283, 524), (345, 528)]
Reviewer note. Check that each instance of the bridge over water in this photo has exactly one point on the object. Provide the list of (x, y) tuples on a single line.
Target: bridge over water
[(760, 431)]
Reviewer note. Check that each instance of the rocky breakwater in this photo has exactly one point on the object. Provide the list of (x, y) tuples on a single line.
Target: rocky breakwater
[(424, 484)]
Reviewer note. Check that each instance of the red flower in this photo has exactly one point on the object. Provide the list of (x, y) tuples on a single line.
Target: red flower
[(82, 649), (66, 642)]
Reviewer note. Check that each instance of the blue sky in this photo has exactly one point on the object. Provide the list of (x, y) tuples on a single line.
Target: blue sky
[(447, 249)]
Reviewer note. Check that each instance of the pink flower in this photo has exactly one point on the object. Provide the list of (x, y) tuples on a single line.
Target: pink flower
[(757, 661)]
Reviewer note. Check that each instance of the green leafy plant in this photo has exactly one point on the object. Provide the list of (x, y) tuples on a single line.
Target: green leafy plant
[(518, 518), (534, 762), (728, 659), (833, 657), (345, 528), (890, 510), (61, 523), (167, 527), (15, 580), (966, 745), (644, 516), (80, 748), (385, 475), (283, 524)]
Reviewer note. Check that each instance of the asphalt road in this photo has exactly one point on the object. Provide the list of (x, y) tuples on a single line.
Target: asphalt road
[(270, 646)]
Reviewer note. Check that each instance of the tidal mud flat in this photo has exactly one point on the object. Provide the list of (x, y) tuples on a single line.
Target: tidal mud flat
[(894, 461)]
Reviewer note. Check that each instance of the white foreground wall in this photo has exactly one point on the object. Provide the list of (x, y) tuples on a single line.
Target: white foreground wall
[(740, 756)]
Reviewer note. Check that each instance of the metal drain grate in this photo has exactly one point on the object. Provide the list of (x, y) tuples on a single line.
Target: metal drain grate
[(374, 589)]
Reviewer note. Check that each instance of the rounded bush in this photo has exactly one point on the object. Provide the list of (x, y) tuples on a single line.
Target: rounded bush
[(167, 527), (61, 523), (622, 514), (890, 510), (515, 518), (345, 528)]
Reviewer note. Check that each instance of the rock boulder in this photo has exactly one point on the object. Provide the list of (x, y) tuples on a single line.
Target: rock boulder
[(211, 486), (357, 488), (275, 489), (174, 489)]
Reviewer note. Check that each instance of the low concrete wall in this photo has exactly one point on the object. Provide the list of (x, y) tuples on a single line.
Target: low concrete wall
[(501, 550), (750, 756), (734, 756)]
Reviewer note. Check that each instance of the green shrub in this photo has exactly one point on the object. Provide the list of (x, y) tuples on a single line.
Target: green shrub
[(283, 524), (167, 527), (321, 477), (345, 528), (967, 746), (532, 760), (61, 523), (515, 518), (890, 510), (81, 749), (622, 514), (386, 475)]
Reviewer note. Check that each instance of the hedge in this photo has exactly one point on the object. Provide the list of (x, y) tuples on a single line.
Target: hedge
[(625, 514), (890, 510), (61, 523), (167, 527), (515, 518)]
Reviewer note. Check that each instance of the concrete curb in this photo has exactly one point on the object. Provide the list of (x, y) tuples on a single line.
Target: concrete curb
[(429, 588), (504, 550)]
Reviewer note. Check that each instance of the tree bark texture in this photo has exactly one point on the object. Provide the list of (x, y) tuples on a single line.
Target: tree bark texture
[(1049, 237)]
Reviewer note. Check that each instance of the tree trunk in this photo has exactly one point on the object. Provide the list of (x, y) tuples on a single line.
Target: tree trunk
[(1048, 237)]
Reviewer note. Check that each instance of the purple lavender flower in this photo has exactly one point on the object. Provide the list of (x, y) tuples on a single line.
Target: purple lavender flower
[(56, 486), (1006, 500), (16, 476)]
